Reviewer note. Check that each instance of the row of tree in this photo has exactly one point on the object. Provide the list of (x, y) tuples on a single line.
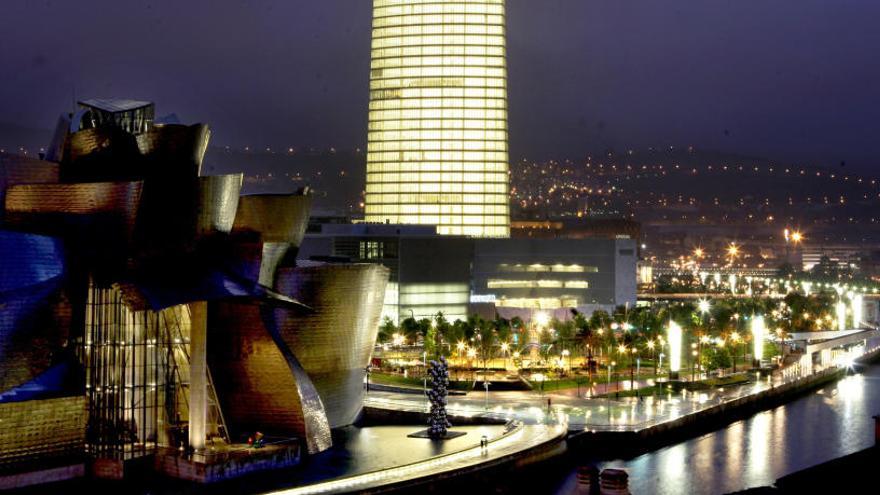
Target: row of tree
[(603, 334)]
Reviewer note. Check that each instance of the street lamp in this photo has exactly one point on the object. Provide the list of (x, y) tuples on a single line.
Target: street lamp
[(734, 337), (673, 336), (704, 306), (460, 350), (759, 330), (632, 380), (857, 308), (504, 348), (610, 366)]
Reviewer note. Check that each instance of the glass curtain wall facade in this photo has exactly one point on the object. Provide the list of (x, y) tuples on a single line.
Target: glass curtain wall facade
[(437, 144)]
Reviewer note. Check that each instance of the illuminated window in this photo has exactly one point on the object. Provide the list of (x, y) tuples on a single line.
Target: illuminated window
[(371, 250), (537, 268), (438, 116), (538, 303)]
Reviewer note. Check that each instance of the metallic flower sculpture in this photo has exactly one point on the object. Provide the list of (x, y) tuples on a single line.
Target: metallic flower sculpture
[(438, 422)]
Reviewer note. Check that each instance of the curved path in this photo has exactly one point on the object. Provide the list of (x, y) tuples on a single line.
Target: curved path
[(519, 442)]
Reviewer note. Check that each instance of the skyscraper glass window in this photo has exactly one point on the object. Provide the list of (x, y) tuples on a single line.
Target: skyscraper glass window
[(437, 151)]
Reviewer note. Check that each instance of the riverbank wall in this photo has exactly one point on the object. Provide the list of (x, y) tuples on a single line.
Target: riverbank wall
[(637, 441)]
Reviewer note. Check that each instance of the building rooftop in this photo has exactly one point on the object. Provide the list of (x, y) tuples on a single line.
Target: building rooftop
[(115, 105)]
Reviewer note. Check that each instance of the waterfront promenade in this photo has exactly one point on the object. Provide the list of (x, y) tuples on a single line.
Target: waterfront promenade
[(626, 414)]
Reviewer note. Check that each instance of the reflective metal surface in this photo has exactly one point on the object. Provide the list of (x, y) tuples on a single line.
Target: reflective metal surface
[(218, 203), (276, 217), (335, 342), (270, 229), (106, 209), (259, 383), (180, 146), (34, 320)]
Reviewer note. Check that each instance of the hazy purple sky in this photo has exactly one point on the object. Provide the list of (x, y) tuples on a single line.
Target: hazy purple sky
[(795, 80)]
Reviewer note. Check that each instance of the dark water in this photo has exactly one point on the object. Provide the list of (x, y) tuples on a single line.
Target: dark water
[(829, 423)]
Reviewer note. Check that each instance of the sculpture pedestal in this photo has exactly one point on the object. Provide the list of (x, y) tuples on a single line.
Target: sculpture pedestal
[(449, 435)]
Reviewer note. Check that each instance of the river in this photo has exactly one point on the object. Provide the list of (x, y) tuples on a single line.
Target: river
[(828, 423)]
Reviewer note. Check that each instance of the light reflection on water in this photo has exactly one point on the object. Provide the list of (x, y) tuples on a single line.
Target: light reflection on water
[(832, 422)]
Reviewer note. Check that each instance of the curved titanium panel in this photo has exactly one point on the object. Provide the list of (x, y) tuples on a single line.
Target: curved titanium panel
[(27, 259), (110, 142), (34, 323), (259, 383), (334, 343), (15, 169), (56, 208), (218, 203), (33, 317), (181, 145), (276, 217)]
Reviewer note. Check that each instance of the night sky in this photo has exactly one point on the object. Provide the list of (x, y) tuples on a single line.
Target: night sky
[(790, 80)]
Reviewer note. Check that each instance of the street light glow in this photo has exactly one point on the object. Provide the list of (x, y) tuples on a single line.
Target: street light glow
[(759, 330), (542, 319), (733, 251), (673, 335), (857, 305), (704, 305)]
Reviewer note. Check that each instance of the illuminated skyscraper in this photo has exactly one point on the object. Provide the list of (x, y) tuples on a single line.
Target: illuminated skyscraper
[(437, 151)]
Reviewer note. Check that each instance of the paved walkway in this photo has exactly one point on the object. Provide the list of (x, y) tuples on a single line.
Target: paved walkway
[(608, 414), (517, 442)]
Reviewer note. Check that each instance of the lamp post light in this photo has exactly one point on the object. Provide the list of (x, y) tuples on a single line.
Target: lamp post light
[(759, 330), (651, 346), (504, 348), (611, 365), (632, 381), (460, 347), (857, 309), (673, 336), (567, 353), (704, 341), (734, 338), (471, 354), (486, 387)]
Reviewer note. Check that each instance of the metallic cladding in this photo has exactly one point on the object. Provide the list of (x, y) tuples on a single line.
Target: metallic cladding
[(259, 383), (276, 217), (334, 344), (218, 203), (110, 208), (28, 260)]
